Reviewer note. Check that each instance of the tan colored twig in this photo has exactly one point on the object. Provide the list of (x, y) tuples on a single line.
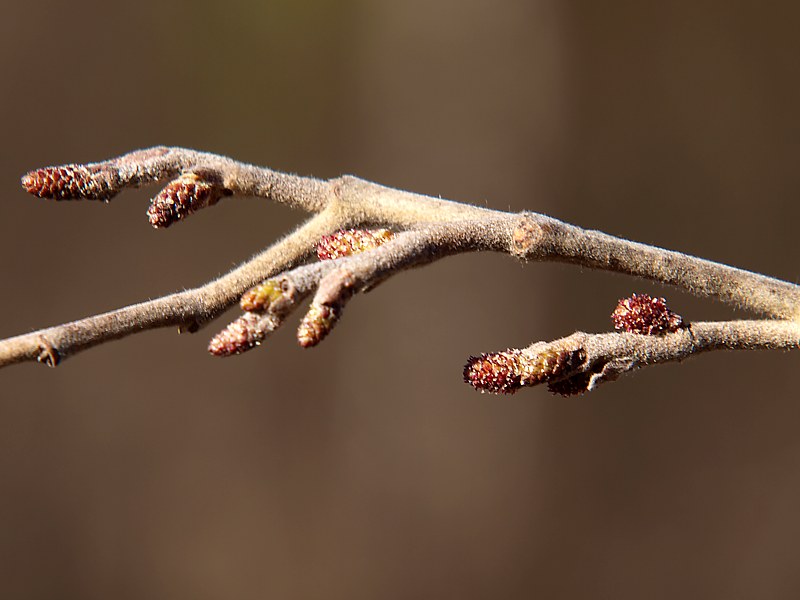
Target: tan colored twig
[(431, 228)]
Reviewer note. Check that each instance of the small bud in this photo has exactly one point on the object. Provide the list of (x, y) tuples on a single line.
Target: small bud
[(241, 335), (645, 315), (506, 372), (181, 197), (317, 324), (68, 182), (351, 241), (261, 296)]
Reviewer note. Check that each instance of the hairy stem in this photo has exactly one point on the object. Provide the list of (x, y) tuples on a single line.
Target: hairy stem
[(188, 309), (740, 288), (580, 362), (434, 228)]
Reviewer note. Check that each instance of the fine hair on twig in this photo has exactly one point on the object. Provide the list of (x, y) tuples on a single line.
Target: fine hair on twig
[(361, 233)]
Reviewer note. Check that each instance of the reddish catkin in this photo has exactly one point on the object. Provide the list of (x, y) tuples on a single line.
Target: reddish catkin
[(241, 335), (181, 197), (508, 371), (645, 315), (351, 241), (497, 373), (68, 182)]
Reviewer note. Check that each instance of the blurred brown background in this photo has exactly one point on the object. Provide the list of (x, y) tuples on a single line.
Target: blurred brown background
[(365, 468)]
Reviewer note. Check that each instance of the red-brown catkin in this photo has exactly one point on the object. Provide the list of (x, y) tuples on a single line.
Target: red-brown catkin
[(645, 315), (68, 182), (506, 372), (180, 198), (241, 335), (496, 373)]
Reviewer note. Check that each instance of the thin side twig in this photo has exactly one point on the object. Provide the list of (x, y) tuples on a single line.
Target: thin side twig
[(188, 310), (582, 361)]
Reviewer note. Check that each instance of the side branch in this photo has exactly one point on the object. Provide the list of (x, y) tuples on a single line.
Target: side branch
[(336, 281), (582, 361), (188, 310), (200, 179)]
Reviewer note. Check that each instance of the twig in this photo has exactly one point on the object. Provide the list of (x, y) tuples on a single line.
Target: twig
[(433, 228), (582, 361), (188, 310)]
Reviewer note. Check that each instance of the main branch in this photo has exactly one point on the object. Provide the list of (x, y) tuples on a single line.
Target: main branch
[(417, 230)]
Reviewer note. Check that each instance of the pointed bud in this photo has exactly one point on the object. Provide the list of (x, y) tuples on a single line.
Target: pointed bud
[(68, 182), (645, 315), (351, 241)]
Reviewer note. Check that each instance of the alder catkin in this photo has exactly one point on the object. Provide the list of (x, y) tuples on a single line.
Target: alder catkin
[(645, 315), (508, 371), (351, 241), (68, 182), (180, 198), (317, 324), (241, 335)]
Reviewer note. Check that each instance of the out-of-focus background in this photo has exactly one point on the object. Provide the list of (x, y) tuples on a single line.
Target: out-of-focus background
[(365, 468)]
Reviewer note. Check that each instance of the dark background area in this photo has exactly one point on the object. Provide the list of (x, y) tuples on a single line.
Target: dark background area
[(365, 468)]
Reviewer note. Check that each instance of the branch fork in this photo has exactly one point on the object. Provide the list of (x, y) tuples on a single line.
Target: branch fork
[(364, 233)]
